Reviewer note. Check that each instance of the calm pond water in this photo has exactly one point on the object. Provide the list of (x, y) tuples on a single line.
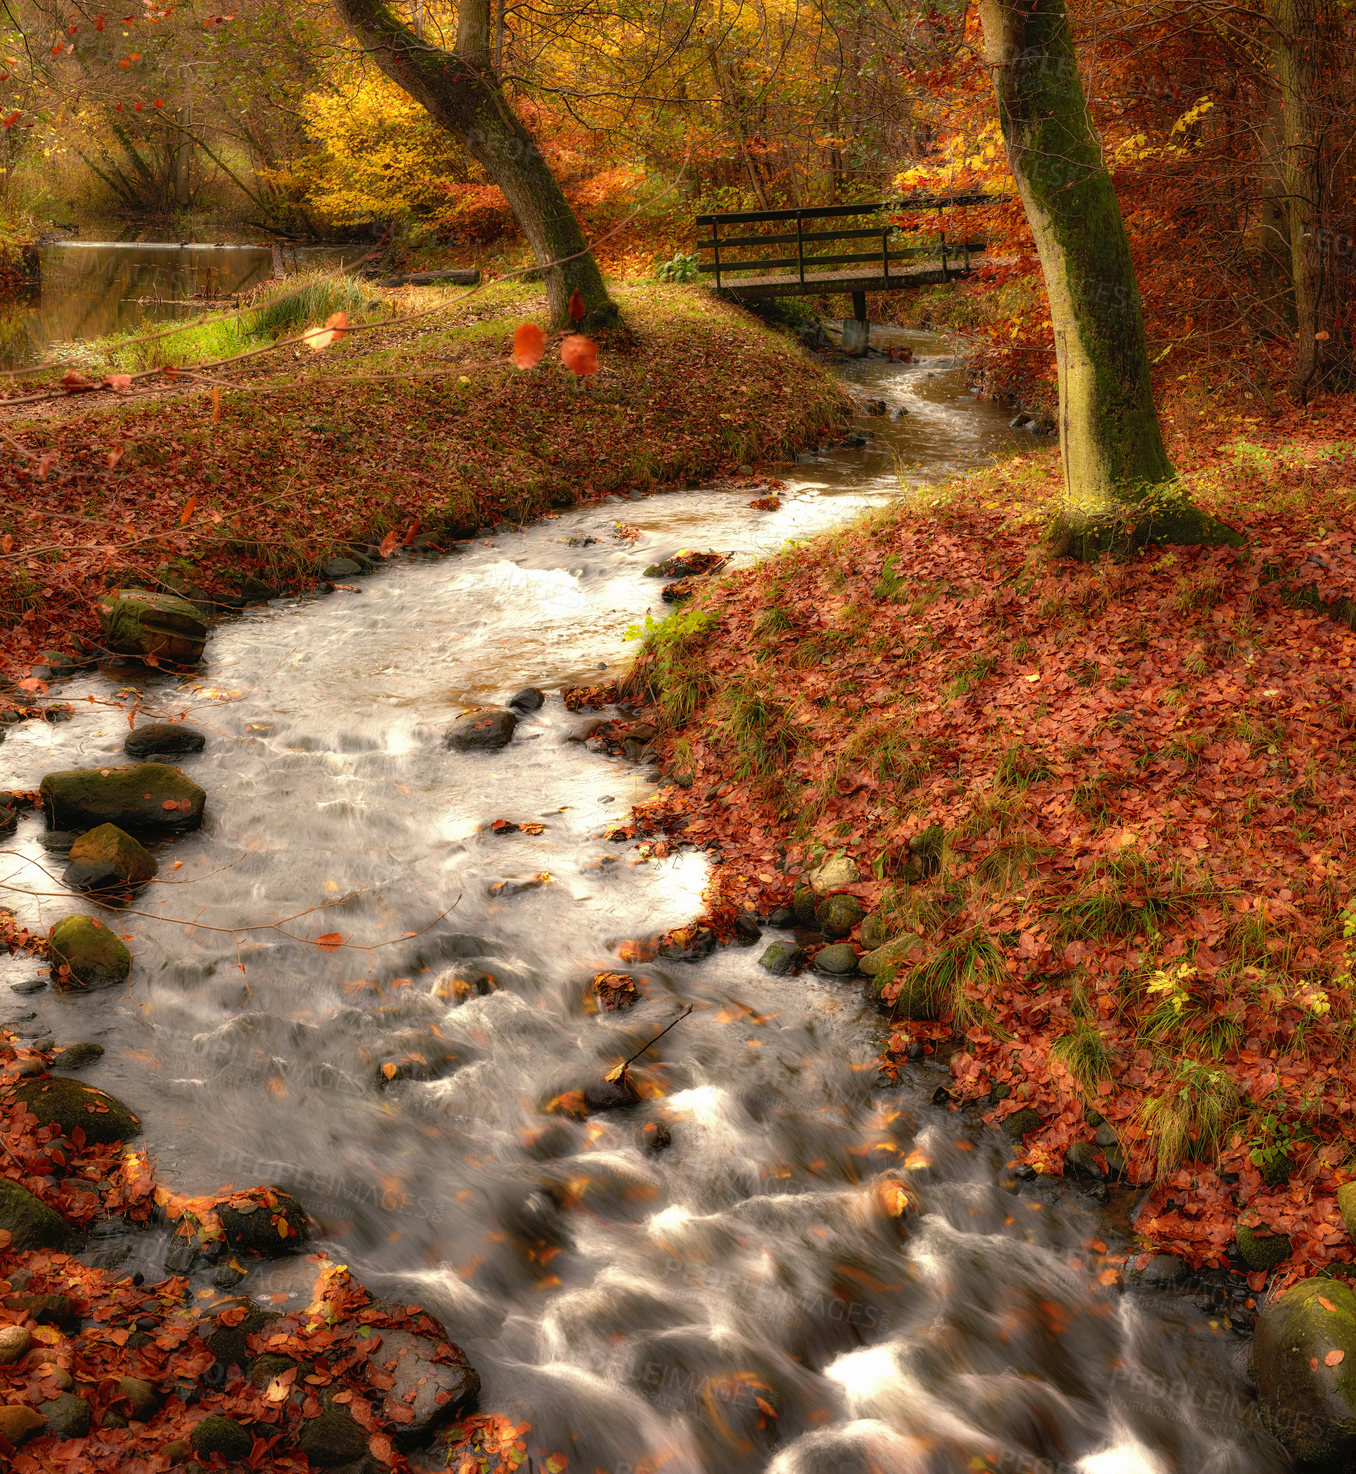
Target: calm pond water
[(91, 288), (639, 1309)]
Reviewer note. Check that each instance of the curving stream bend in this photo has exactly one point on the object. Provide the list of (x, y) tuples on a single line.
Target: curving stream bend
[(739, 1301)]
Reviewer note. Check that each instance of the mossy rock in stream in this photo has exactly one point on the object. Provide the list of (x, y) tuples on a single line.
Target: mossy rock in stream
[(219, 1435), (163, 739), (163, 627), (143, 798), (30, 1223), (71, 1103), (1260, 1249), (836, 915), (108, 863), (94, 956), (230, 1343), (1304, 1365), (331, 1440)]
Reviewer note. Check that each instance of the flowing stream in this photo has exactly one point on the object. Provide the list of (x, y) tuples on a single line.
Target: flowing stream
[(736, 1300)]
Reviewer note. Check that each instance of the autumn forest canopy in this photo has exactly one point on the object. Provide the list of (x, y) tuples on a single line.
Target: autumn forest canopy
[(1227, 130)]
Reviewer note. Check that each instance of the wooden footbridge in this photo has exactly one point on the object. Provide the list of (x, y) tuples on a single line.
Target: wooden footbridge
[(883, 265)]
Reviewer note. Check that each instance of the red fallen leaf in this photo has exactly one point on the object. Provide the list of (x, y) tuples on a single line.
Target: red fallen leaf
[(388, 544), (577, 308), (114, 456), (190, 506), (380, 1447), (233, 1316), (1333, 1357), (74, 382), (6, 543), (118, 381), (579, 354), (45, 463), (529, 345), (170, 372), (171, 803), (330, 942)]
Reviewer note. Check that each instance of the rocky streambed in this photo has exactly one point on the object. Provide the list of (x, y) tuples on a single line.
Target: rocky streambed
[(381, 967)]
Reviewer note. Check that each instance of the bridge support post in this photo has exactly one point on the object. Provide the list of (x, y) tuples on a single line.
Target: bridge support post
[(856, 329)]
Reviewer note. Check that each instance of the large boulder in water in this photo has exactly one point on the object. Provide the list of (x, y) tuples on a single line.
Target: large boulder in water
[(107, 861), (162, 626), (479, 731), (147, 798), (93, 956), (71, 1103), (1304, 1365), (170, 739)]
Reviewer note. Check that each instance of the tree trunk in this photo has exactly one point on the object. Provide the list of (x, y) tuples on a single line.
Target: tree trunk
[(1298, 75), (462, 94), (1118, 479), (183, 158), (1275, 287)]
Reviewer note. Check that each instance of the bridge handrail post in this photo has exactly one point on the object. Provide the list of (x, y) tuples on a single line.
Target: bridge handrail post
[(945, 278), (885, 252), (800, 248), (715, 242)]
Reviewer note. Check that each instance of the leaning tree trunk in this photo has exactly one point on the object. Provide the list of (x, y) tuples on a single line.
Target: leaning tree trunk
[(1298, 78), (1119, 483), (461, 92)]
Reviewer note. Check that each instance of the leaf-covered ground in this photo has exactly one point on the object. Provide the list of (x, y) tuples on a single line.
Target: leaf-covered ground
[(1144, 775), (411, 425)]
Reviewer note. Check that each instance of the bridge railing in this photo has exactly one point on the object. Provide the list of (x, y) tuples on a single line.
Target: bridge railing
[(811, 257)]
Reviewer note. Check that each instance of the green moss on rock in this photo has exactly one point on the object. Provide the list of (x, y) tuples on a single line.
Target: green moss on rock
[(1308, 1401), (1261, 1250), (1022, 1123), (30, 1223), (218, 1435), (780, 958), (331, 1440), (164, 626), (837, 915), (71, 1103), (837, 960), (143, 798), (108, 861), (94, 955)]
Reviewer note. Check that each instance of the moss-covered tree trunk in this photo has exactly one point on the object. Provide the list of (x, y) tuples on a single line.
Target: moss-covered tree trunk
[(461, 92), (1114, 458)]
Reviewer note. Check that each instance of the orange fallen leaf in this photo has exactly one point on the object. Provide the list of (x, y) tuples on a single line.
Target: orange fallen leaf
[(331, 941), (529, 345), (1333, 1357), (579, 354)]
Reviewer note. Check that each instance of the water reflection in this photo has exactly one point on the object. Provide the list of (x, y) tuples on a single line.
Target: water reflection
[(89, 289)]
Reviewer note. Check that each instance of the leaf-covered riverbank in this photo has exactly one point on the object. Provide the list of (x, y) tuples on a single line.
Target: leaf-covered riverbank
[(1097, 820)]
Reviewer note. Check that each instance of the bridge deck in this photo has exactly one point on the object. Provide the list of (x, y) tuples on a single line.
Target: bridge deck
[(924, 274)]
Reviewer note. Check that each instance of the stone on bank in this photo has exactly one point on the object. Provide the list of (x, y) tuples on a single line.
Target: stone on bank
[(144, 623)]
